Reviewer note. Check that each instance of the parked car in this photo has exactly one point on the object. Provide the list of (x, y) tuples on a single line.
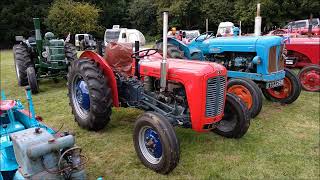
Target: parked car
[(85, 41), (300, 27)]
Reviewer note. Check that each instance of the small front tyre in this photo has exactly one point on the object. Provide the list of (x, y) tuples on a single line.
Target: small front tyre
[(249, 92), (309, 77), (236, 120), (32, 80), (286, 94), (156, 143)]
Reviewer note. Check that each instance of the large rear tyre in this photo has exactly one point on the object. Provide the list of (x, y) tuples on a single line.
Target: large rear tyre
[(248, 92), (22, 61), (173, 51), (236, 120), (70, 52), (309, 77), (156, 143), (287, 93), (32, 80), (89, 94)]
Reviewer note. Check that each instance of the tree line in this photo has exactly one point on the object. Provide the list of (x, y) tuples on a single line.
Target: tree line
[(145, 15)]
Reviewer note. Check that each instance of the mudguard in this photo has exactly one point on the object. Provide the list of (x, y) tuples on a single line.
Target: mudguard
[(107, 71)]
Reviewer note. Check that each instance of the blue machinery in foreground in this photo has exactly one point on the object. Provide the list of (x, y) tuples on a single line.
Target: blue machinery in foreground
[(31, 150)]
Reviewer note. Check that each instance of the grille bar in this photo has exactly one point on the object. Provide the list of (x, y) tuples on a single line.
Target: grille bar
[(215, 96)]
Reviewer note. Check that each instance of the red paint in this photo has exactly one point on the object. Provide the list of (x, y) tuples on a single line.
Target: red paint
[(310, 80), (193, 75), (5, 105), (107, 72), (307, 50)]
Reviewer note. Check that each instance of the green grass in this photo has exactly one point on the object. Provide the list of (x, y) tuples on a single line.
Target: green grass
[(282, 142)]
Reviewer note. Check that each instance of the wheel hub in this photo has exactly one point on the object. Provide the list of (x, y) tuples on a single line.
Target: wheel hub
[(311, 79), (281, 92), (152, 143), (243, 93), (82, 95)]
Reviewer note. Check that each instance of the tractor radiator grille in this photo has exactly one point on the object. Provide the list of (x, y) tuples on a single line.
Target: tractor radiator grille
[(215, 96), (276, 63), (281, 59), (273, 59)]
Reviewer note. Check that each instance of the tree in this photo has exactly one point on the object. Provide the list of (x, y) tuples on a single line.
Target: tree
[(145, 16), (75, 17)]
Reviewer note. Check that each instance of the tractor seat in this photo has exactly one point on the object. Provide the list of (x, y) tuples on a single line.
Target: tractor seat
[(6, 105), (118, 56)]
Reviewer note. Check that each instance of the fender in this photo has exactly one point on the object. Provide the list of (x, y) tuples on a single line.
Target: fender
[(107, 71), (178, 44)]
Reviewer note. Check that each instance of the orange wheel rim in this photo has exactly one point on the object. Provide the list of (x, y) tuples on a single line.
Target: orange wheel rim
[(243, 93), (283, 91)]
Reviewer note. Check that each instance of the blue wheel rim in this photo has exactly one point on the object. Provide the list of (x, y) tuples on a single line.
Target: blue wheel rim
[(81, 98), (150, 145)]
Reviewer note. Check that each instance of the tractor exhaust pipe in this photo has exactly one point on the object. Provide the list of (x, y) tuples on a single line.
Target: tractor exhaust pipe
[(257, 22), (36, 22), (164, 64)]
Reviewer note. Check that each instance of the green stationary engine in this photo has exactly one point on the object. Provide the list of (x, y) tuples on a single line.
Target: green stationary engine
[(38, 58)]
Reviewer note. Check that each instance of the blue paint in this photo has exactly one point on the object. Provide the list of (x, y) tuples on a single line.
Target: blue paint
[(260, 45), (82, 95), (156, 149), (13, 120)]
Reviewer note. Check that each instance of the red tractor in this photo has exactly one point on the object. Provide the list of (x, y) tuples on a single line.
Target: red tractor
[(173, 92), (304, 53)]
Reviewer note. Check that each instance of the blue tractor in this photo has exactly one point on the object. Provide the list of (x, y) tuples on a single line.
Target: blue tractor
[(255, 66), (31, 150)]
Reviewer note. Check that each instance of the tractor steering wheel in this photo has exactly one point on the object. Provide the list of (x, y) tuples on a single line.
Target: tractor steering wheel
[(208, 34), (137, 53)]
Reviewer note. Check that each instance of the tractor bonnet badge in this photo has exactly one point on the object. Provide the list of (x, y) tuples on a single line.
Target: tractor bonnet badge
[(219, 72)]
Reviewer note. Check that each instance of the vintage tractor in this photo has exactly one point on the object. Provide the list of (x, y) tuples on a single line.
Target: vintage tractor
[(172, 92), (32, 150), (252, 62), (304, 53), (37, 58)]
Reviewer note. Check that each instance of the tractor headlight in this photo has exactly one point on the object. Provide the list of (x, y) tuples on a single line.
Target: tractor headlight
[(44, 54), (256, 60)]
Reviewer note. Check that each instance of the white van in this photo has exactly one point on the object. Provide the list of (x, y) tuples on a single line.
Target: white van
[(123, 35)]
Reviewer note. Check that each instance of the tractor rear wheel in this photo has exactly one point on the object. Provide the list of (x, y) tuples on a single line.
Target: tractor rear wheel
[(287, 93), (22, 61), (309, 77), (89, 94), (156, 143), (236, 120), (249, 92), (173, 51), (32, 80), (70, 52)]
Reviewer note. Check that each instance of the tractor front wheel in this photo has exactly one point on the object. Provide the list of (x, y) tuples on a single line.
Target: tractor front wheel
[(89, 94), (309, 77), (32, 80), (22, 61), (249, 92), (236, 120), (287, 93), (156, 143)]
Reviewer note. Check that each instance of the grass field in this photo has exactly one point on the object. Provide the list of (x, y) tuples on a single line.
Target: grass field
[(282, 142)]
